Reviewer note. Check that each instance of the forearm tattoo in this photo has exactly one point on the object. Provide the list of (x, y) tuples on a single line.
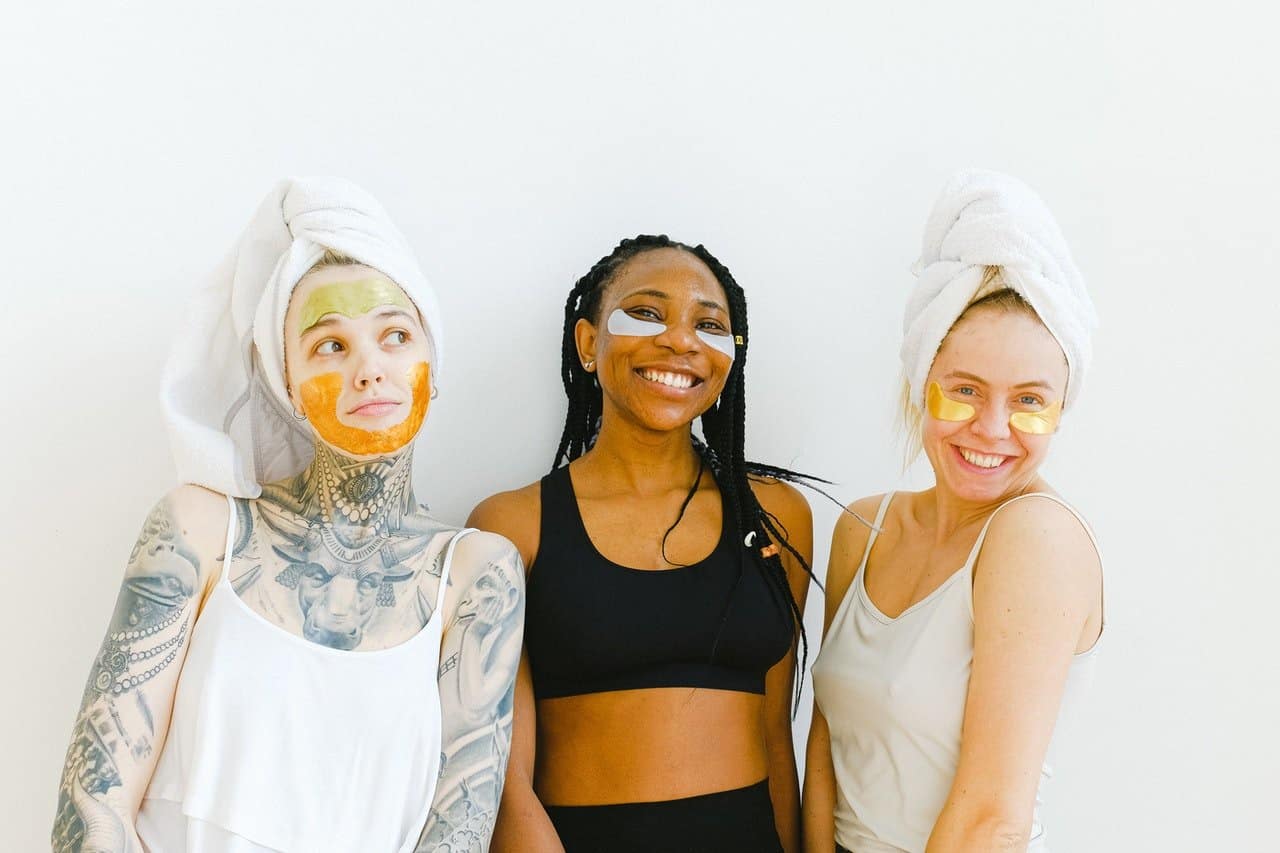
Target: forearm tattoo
[(115, 729), (477, 684)]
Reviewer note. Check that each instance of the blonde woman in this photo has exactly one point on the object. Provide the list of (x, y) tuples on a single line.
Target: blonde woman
[(961, 629)]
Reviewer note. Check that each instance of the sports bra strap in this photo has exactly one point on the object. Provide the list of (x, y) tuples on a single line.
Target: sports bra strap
[(448, 561)]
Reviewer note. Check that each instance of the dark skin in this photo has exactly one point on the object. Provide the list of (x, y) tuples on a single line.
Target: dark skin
[(659, 743)]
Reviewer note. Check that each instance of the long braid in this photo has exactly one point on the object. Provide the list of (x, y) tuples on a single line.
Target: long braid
[(723, 425)]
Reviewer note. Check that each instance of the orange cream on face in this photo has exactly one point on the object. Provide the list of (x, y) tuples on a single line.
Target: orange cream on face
[(320, 396)]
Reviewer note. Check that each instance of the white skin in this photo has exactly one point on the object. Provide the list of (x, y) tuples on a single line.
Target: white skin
[(1037, 587), (178, 561)]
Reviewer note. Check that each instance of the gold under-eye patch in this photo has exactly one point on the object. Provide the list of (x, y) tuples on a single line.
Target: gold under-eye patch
[(350, 299), (1043, 422), (943, 408)]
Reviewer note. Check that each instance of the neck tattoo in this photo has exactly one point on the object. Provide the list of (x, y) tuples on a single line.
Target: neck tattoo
[(359, 502)]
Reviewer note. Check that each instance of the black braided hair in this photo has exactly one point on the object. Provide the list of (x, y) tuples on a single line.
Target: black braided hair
[(722, 425)]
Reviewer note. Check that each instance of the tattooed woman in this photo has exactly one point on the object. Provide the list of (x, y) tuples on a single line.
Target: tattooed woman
[(961, 628), (313, 663), (666, 595)]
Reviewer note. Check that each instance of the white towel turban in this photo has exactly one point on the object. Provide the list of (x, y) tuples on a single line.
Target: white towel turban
[(223, 393), (987, 219)]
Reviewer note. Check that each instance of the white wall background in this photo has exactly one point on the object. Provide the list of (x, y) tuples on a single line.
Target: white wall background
[(803, 143)]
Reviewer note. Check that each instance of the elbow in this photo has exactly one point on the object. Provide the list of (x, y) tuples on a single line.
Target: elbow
[(989, 830)]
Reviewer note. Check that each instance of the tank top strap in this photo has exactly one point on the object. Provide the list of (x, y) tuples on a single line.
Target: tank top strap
[(448, 561), (982, 534), (229, 546), (875, 530)]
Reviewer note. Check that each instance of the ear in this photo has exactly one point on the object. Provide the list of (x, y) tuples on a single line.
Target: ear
[(584, 334)]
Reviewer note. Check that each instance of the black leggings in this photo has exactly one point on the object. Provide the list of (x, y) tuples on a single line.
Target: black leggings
[(740, 821)]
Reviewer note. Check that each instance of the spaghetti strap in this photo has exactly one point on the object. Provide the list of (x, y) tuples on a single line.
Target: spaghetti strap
[(231, 539), (448, 561), (875, 529)]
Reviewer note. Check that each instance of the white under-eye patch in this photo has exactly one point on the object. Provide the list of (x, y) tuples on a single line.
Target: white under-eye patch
[(622, 323)]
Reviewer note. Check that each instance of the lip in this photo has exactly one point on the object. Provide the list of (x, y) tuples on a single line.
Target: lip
[(375, 408), (977, 470), (671, 390)]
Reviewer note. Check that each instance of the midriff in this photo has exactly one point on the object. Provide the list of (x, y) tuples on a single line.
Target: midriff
[(636, 746)]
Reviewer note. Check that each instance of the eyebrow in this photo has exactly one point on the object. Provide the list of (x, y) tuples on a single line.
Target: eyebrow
[(331, 318), (658, 294), (1035, 383)]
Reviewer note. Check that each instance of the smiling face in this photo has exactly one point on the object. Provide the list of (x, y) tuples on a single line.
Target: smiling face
[(1000, 365), (661, 340), (356, 359)]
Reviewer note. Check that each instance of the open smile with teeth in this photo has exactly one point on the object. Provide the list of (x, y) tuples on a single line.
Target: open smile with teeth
[(982, 460), (673, 380)]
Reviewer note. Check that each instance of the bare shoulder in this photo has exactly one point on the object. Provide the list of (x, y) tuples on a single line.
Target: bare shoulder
[(191, 522), (781, 499), (848, 543), (1041, 527), (485, 566), (1037, 543), (515, 515)]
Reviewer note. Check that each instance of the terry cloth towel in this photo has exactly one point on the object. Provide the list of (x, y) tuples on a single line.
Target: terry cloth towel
[(983, 219), (230, 423)]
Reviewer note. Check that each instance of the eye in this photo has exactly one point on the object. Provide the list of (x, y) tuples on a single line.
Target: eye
[(644, 313), (328, 347), (715, 327), (965, 391), (369, 583), (1031, 400), (396, 337)]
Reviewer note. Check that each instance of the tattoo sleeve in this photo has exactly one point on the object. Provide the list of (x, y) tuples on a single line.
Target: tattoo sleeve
[(124, 712), (479, 658)]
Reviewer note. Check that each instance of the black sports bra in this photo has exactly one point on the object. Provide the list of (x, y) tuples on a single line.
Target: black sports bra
[(592, 625)]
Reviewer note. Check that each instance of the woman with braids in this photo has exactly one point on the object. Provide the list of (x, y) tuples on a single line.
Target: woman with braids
[(301, 658), (962, 628), (666, 582)]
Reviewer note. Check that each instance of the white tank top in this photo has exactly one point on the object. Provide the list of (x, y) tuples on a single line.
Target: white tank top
[(279, 744), (893, 693)]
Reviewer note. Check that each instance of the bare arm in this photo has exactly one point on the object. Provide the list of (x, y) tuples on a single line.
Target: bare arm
[(124, 715), (479, 656), (523, 824), (787, 505), (1036, 584), (847, 544)]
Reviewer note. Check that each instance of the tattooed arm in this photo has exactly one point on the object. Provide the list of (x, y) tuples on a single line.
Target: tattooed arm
[(479, 656), (124, 714)]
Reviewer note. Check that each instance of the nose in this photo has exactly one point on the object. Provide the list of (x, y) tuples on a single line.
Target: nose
[(991, 422), (679, 338), (370, 368)]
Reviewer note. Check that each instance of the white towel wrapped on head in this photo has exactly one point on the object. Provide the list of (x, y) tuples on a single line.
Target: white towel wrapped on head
[(223, 393), (984, 219)]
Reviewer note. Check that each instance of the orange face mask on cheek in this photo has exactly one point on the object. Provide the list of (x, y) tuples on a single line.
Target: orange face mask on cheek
[(320, 403)]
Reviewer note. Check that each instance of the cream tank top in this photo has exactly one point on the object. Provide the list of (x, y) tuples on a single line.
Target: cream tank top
[(893, 694), (279, 744)]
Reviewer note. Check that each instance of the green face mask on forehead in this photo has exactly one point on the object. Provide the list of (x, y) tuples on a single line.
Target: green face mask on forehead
[(350, 299)]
